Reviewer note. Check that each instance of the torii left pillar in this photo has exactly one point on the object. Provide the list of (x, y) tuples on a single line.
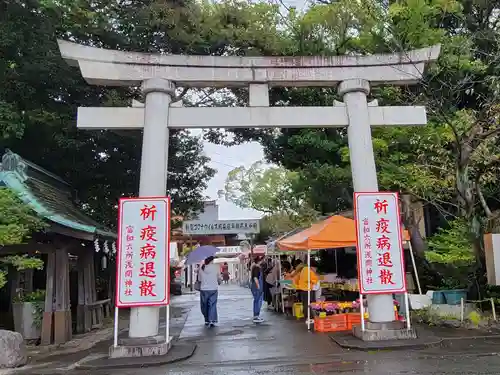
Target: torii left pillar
[(158, 92)]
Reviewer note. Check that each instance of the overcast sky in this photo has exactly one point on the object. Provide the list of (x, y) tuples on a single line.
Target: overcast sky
[(224, 159)]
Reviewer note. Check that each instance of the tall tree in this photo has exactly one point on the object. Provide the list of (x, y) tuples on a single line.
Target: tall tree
[(451, 163), (39, 94), (270, 189)]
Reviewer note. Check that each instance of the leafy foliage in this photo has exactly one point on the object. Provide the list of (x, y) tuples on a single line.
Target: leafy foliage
[(452, 163), (270, 190), (451, 245), (40, 93), (17, 222)]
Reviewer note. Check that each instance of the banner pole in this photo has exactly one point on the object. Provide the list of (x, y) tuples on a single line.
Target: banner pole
[(407, 307), (115, 328), (167, 325), (415, 271), (362, 310)]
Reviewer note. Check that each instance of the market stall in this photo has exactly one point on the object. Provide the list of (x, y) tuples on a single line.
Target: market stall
[(336, 232)]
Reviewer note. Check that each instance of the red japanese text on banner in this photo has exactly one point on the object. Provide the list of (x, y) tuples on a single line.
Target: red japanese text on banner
[(143, 252), (379, 243)]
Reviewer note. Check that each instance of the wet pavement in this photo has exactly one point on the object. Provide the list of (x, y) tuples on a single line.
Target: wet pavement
[(452, 365), (283, 346), (237, 338)]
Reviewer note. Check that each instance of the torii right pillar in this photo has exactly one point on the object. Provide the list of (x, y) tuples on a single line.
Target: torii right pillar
[(363, 170), (364, 178)]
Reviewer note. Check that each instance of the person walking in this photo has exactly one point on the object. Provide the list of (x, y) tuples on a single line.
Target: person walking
[(266, 267), (272, 279), (257, 288), (225, 273), (209, 285)]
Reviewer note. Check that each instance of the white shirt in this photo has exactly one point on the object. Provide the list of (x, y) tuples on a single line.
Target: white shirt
[(209, 277)]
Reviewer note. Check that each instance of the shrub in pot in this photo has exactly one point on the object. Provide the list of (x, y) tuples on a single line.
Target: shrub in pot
[(28, 313)]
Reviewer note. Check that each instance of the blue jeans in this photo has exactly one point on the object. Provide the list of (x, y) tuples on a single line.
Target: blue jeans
[(208, 304), (258, 298)]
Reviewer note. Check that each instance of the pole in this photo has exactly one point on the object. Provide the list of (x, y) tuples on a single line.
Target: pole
[(362, 311), (364, 173), (412, 256), (167, 324), (252, 259), (281, 287), (462, 313), (190, 267), (493, 309), (308, 289), (407, 308), (144, 321), (115, 328)]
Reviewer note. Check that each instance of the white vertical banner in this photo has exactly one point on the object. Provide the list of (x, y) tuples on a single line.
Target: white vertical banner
[(379, 243), (143, 256)]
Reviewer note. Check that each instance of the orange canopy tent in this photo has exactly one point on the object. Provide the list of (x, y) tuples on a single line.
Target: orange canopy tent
[(334, 232)]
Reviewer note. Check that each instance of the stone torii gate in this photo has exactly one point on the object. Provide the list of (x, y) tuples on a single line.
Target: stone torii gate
[(160, 74)]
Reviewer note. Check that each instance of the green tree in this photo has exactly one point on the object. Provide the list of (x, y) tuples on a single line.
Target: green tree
[(17, 222), (270, 190), (450, 164), (39, 95)]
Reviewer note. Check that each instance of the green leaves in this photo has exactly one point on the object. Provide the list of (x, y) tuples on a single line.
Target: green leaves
[(11, 123), (40, 94), (273, 191), (266, 189), (17, 222), (451, 245)]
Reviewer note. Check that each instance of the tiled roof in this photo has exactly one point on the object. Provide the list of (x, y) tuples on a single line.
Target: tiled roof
[(48, 195)]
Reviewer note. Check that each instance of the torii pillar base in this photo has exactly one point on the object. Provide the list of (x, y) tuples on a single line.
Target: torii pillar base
[(384, 331), (141, 347)]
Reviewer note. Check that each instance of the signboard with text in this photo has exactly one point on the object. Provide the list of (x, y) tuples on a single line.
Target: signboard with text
[(200, 227), (229, 250), (143, 252), (379, 243)]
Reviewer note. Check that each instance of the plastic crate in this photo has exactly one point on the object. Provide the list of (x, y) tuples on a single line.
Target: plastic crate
[(332, 323), (353, 319), (298, 310)]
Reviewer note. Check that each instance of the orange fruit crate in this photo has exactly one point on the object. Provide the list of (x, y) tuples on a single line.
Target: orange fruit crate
[(331, 323), (353, 319)]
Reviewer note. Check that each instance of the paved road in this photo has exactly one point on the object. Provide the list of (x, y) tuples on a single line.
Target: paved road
[(284, 347), (452, 365)]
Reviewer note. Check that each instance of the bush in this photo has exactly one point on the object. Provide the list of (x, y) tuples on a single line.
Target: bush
[(452, 256)]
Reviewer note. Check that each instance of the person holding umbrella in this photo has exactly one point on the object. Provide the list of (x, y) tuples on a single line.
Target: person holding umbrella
[(209, 278)]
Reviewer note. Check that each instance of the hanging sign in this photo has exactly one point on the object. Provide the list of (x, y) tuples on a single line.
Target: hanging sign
[(221, 227), (379, 243), (229, 250), (143, 256)]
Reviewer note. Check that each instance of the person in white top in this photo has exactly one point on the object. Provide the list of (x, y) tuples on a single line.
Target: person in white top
[(209, 278)]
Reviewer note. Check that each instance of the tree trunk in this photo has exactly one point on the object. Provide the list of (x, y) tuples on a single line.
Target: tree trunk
[(411, 224)]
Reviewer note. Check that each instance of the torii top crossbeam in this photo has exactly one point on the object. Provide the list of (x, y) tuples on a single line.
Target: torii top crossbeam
[(117, 68)]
